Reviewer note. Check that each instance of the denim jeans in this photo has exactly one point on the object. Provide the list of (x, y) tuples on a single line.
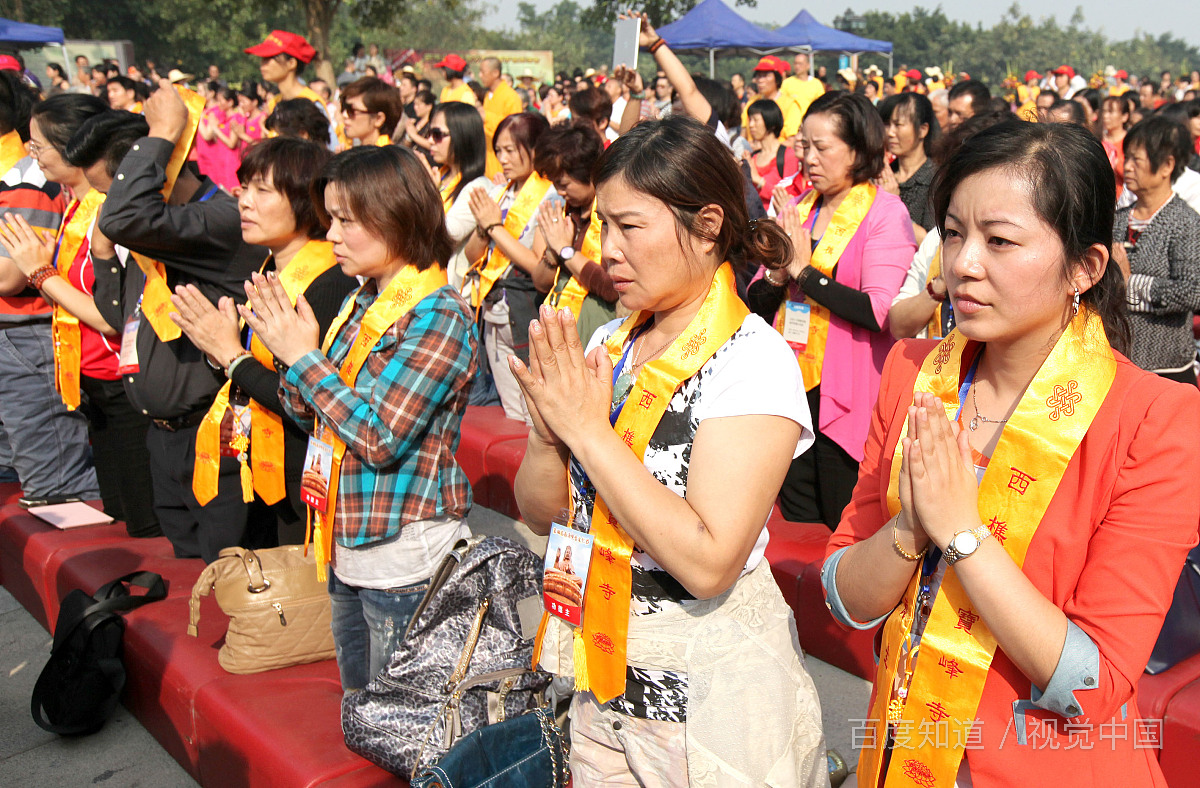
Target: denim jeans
[(44, 442), (368, 624)]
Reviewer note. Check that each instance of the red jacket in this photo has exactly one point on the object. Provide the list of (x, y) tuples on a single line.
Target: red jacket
[(1108, 552)]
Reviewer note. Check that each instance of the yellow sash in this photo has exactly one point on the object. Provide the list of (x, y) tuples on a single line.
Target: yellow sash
[(935, 270), (156, 295), (956, 649), (12, 150), (446, 188), (264, 473), (518, 217), (841, 229), (573, 293), (68, 342), (600, 643), (382, 141), (405, 290)]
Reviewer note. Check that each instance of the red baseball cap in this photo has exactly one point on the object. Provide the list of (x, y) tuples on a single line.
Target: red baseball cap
[(1122, 73), (9, 63), (452, 62), (281, 42), (1031, 74), (1065, 70), (913, 74), (772, 63)]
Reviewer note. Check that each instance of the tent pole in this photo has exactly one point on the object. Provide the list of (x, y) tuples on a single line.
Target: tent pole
[(712, 64), (891, 69)]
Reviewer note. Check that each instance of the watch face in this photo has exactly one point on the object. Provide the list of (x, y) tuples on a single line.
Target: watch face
[(965, 543)]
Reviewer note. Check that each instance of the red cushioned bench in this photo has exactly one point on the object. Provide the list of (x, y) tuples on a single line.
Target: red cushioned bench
[(275, 729)]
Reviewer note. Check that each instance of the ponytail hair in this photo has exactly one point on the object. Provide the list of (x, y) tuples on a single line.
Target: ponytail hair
[(680, 162)]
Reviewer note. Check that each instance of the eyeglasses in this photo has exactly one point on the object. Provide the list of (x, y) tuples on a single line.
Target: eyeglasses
[(35, 149), (353, 111), (437, 135)]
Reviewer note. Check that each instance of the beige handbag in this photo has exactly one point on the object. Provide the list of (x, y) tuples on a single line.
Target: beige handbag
[(278, 611)]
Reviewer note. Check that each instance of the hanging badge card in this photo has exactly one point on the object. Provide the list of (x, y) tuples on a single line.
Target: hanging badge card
[(568, 554), (795, 324), (127, 359), (314, 482)]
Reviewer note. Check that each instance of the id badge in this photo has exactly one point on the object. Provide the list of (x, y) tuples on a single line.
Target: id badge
[(795, 324), (127, 359), (568, 554), (318, 465)]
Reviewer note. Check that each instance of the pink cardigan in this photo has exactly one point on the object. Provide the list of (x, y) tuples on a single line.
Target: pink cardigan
[(875, 262)]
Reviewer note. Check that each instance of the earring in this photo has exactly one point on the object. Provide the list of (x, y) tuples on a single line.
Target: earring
[(1075, 303)]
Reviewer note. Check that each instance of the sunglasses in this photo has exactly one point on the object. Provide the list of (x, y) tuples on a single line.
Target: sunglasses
[(437, 135), (352, 112)]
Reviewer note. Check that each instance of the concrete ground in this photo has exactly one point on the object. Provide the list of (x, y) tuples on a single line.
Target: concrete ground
[(123, 754)]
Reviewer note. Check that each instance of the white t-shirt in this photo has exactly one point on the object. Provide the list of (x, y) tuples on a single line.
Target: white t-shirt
[(754, 373)]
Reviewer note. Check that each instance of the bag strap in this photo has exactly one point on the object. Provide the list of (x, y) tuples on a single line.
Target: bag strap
[(444, 570), (780, 157), (113, 670), (203, 587), (114, 597)]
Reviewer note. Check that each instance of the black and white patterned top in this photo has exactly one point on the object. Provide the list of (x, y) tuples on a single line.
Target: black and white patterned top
[(1164, 285), (914, 193), (754, 373)]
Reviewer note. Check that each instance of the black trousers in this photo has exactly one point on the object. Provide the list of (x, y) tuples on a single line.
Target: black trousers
[(117, 432), (194, 530), (820, 482)]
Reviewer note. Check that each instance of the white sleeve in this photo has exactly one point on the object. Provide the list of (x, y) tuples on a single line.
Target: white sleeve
[(757, 376), (918, 270), (459, 219), (601, 334)]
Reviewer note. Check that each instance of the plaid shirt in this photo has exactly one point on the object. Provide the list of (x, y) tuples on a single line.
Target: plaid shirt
[(400, 420)]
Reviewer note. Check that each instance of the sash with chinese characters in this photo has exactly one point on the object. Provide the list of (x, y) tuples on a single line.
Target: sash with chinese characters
[(841, 229), (519, 214), (446, 188), (264, 473), (405, 290), (572, 293), (600, 643), (1022, 476), (68, 342), (156, 295)]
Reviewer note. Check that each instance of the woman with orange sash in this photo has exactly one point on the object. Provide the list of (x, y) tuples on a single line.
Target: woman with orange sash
[(852, 243), (508, 251), (667, 444), (247, 420), (372, 109), (86, 348), (1027, 497), (382, 396), (459, 159), (570, 270)]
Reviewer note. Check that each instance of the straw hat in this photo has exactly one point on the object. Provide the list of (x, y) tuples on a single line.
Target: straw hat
[(175, 76)]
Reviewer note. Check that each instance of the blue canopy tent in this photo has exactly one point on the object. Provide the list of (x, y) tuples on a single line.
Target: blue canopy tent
[(712, 26), (21, 35), (805, 33)]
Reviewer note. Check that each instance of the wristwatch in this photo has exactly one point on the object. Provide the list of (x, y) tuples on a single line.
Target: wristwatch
[(964, 543), (566, 253)]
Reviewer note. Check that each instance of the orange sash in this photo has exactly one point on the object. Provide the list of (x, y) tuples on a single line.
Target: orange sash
[(599, 648), (68, 341), (519, 215), (573, 293), (935, 270), (1024, 472), (446, 188), (404, 292), (264, 472)]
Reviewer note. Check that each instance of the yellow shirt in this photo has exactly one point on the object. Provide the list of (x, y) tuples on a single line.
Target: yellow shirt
[(804, 91), (1118, 90), (1028, 111), (500, 102), (1026, 93), (463, 93), (792, 114)]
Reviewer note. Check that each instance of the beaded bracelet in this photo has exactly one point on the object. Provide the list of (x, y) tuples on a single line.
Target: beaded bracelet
[(907, 556), (39, 277)]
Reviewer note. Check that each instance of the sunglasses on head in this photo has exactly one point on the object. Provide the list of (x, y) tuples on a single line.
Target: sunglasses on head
[(437, 135)]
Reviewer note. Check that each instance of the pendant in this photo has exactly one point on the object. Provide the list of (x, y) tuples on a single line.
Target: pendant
[(622, 387), (974, 425)]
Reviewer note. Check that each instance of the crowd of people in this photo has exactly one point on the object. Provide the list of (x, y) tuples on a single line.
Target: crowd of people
[(955, 326)]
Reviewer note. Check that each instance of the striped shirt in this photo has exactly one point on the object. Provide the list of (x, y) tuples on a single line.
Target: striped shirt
[(400, 420), (24, 191)]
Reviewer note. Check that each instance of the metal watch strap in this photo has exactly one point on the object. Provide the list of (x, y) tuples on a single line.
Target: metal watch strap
[(953, 556)]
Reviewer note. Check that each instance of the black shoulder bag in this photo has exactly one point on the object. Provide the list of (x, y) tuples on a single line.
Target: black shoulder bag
[(80, 686)]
